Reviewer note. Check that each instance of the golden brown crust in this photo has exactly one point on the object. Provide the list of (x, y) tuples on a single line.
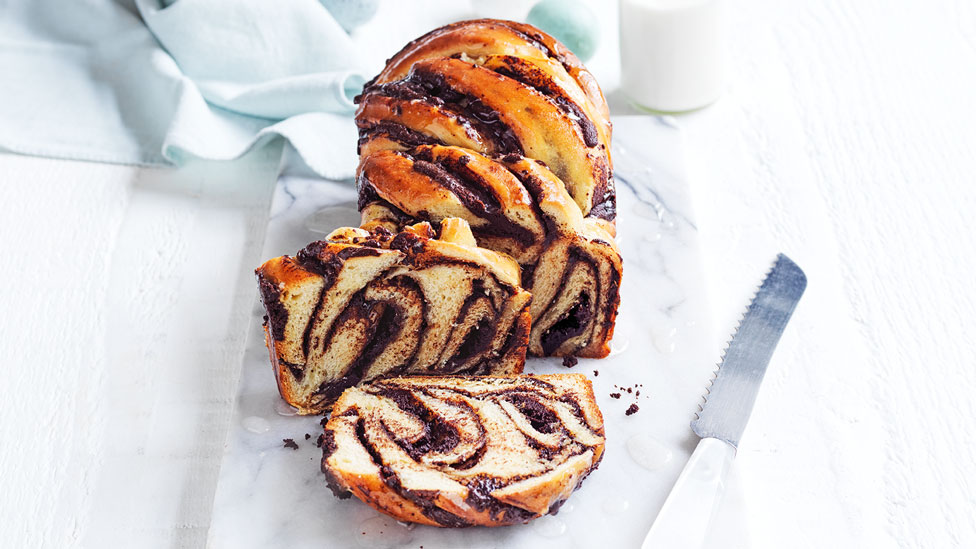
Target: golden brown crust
[(487, 37), (531, 123), (435, 182), (426, 122), (464, 450)]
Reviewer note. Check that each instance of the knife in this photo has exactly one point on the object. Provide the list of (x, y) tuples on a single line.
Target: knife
[(683, 521)]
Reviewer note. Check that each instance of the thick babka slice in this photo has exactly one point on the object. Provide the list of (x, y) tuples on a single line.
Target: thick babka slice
[(360, 305), (464, 450), (518, 206)]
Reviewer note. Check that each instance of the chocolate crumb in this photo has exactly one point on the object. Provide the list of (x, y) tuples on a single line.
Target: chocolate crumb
[(307, 436), (614, 395), (320, 440), (632, 410), (570, 361), (629, 390), (637, 393), (323, 421), (290, 443), (596, 373)]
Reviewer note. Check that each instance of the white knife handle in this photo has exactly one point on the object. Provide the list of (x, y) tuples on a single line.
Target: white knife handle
[(687, 513)]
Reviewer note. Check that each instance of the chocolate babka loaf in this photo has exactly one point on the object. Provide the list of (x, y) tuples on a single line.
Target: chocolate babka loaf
[(464, 450), (497, 123), (360, 305)]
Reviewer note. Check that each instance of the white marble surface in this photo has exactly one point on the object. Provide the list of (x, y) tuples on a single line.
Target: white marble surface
[(268, 494)]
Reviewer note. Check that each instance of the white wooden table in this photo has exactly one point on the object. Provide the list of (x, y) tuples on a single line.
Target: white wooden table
[(846, 140)]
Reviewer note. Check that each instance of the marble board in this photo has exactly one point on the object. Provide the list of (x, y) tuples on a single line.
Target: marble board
[(269, 495)]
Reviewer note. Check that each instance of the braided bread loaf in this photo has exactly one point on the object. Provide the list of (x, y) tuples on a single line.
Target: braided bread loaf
[(461, 451), (360, 305), (497, 123)]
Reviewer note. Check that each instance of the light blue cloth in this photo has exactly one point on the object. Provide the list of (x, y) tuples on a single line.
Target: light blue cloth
[(139, 82)]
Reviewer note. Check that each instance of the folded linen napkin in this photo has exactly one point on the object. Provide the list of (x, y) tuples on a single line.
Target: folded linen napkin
[(136, 81)]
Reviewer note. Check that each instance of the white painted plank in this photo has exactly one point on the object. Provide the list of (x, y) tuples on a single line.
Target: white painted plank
[(846, 139), (58, 228), (127, 291)]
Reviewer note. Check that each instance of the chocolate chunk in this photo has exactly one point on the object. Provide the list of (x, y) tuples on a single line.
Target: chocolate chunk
[(570, 361), (290, 443), (632, 410)]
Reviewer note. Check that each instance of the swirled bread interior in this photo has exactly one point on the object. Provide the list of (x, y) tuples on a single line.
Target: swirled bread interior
[(464, 450), (360, 305)]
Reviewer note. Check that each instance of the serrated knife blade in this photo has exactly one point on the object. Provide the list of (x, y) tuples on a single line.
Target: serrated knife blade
[(729, 401), (684, 519)]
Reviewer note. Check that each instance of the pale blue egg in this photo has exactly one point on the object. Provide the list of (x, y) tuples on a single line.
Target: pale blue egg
[(351, 13), (571, 22)]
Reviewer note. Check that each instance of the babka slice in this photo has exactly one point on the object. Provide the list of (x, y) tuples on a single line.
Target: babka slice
[(360, 305), (464, 450), (516, 205)]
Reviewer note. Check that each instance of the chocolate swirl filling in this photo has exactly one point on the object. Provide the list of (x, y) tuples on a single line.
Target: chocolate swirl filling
[(432, 88), (474, 193), (277, 316), (588, 309), (380, 307), (526, 73), (395, 132), (454, 429)]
